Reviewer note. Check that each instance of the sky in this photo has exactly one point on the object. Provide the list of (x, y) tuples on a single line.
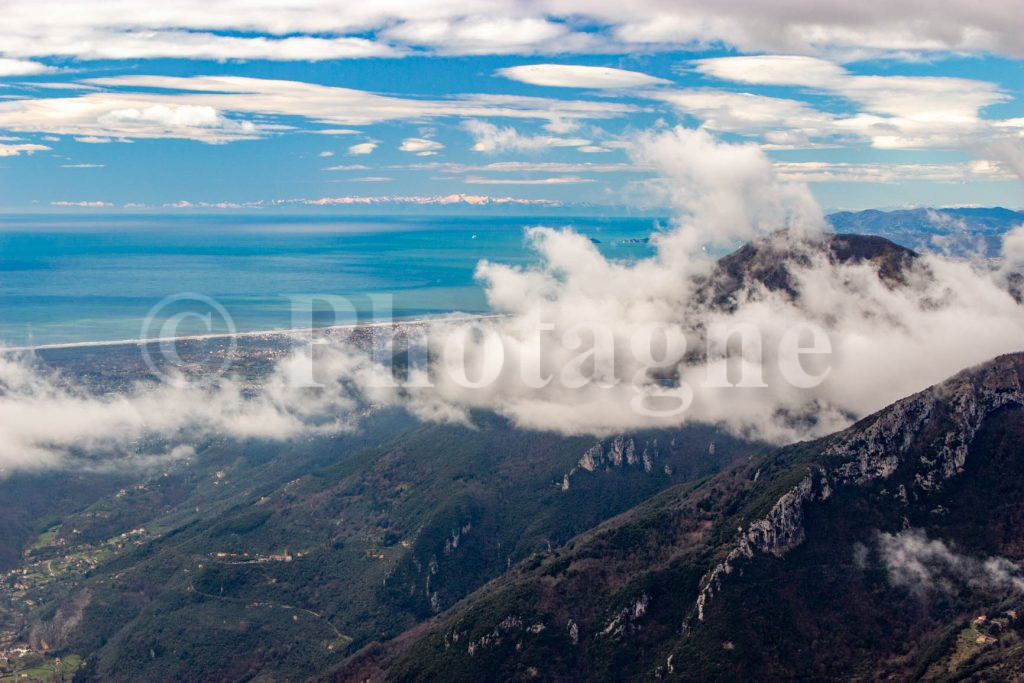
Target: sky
[(270, 106)]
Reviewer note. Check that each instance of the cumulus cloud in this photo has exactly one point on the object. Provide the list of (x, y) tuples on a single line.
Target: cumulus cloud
[(924, 566), (721, 192), (577, 76)]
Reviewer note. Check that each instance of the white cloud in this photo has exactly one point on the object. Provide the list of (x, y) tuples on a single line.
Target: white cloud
[(747, 113), (1013, 251), (821, 171), (556, 180), (1008, 151), (923, 565), (909, 335), (326, 153), (109, 44), (82, 165), (723, 193), (562, 126), (185, 204), (108, 428), (421, 146), (576, 76), (483, 34), (853, 30), (348, 167), (21, 67), (362, 148), (424, 200), (321, 29), (224, 108), (161, 120), (530, 167), (370, 179), (490, 139), (895, 112), (16, 150), (774, 70), (86, 204)]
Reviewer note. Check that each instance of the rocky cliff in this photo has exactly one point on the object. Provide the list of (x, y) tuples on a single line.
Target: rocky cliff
[(782, 566), (928, 434)]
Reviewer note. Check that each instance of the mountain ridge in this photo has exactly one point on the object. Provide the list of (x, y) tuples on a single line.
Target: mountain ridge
[(905, 455)]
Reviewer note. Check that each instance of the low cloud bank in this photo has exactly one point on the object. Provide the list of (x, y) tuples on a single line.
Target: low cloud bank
[(887, 338), (589, 345), (925, 566), (46, 421)]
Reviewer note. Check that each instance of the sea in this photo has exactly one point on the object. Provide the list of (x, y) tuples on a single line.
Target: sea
[(70, 280)]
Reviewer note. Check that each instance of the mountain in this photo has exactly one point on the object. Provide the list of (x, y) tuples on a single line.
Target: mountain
[(362, 555), (888, 550), (960, 230), (769, 262), (222, 571)]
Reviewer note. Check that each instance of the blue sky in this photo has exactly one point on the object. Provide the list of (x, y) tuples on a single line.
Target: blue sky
[(233, 107)]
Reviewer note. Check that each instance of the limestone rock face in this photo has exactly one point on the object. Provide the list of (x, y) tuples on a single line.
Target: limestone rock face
[(620, 452), (929, 433)]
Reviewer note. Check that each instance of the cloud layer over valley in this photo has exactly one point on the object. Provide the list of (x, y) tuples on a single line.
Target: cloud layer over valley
[(587, 345)]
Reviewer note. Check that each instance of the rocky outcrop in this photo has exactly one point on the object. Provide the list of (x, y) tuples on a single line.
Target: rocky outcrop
[(452, 542), (512, 626), (770, 262), (930, 433), (625, 619), (620, 452)]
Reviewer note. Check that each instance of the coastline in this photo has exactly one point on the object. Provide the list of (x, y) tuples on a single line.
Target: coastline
[(251, 334)]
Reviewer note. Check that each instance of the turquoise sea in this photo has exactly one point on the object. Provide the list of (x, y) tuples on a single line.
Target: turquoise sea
[(89, 279)]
